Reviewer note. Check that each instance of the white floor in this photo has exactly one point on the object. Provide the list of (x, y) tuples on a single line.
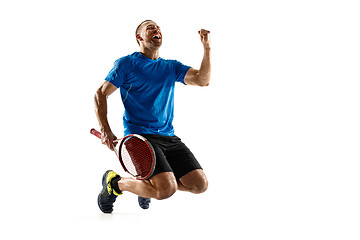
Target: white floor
[(247, 209)]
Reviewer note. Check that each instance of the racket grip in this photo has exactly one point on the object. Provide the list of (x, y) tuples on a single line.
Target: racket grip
[(95, 133)]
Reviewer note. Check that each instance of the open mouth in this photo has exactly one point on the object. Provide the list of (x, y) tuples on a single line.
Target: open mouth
[(156, 37)]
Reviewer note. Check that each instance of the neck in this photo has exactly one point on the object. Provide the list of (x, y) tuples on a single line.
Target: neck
[(150, 53)]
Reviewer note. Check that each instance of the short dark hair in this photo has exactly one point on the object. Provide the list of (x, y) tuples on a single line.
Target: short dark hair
[(137, 29)]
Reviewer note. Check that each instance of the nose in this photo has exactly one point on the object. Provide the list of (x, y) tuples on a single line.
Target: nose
[(156, 28)]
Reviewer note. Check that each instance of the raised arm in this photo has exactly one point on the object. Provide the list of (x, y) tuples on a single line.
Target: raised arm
[(101, 95), (201, 77)]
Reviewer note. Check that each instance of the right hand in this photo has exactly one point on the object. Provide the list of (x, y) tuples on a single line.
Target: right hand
[(108, 138), (204, 37)]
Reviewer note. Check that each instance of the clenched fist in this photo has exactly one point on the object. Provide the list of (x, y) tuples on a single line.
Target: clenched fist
[(204, 37)]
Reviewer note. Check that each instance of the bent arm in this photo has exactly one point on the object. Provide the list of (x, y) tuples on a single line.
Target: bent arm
[(101, 95), (201, 77)]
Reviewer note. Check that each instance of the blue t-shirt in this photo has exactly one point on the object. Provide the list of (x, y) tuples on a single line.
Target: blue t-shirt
[(147, 92)]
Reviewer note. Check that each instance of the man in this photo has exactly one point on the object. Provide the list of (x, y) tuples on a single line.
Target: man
[(146, 84)]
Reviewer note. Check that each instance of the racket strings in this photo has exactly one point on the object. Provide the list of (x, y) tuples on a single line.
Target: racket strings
[(137, 156)]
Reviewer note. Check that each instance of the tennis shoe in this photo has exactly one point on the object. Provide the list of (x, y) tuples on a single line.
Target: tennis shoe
[(144, 203), (107, 195)]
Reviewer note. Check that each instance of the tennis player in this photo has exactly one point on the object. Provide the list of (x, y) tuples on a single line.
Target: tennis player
[(146, 82)]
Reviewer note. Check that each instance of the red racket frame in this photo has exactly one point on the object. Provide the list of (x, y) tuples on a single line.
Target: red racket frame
[(121, 140)]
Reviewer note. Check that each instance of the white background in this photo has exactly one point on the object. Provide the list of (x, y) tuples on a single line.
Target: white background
[(277, 131)]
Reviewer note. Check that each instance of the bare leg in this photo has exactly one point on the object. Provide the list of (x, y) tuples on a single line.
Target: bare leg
[(194, 182), (161, 186)]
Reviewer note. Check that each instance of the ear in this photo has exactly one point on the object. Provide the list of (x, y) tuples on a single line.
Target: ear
[(138, 37)]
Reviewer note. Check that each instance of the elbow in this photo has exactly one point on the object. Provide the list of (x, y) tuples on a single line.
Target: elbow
[(204, 79), (198, 80), (100, 93), (98, 96), (204, 84)]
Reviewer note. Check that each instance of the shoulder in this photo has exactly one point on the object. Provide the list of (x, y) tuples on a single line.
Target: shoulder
[(124, 60), (172, 62), (177, 65), (124, 63)]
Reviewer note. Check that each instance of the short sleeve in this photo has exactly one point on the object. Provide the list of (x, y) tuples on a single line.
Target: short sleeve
[(180, 70), (117, 74)]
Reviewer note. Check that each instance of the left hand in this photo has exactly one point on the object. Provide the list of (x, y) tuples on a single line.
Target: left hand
[(204, 37)]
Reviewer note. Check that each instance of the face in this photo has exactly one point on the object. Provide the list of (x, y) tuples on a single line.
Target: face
[(150, 34)]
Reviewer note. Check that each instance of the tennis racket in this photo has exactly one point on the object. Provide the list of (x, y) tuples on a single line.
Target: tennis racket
[(136, 155)]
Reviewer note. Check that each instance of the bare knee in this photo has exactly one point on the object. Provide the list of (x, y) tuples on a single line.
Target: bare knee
[(195, 181), (200, 186), (165, 185), (166, 191)]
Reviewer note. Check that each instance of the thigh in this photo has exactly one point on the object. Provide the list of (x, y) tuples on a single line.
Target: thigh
[(181, 159)]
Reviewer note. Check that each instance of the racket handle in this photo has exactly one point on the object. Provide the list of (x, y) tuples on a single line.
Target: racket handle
[(95, 133)]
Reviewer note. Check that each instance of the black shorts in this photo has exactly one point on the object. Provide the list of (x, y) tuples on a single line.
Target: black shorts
[(172, 155)]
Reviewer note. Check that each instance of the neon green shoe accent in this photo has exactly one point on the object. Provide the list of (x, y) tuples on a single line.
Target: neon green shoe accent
[(109, 177)]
